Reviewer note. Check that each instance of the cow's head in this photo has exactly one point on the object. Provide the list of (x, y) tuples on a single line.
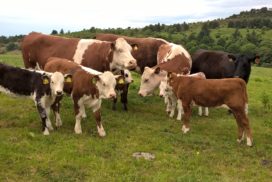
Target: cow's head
[(150, 80), (105, 84), (127, 75), (122, 58), (243, 65), (56, 82)]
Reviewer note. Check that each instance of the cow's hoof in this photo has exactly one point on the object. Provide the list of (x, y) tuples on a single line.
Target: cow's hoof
[(50, 127), (249, 142), (84, 116), (58, 124), (101, 131), (78, 131), (45, 132), (185, 129)]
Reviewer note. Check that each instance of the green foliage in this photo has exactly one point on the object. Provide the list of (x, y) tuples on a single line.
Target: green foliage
[(266, 101), (54, 32)]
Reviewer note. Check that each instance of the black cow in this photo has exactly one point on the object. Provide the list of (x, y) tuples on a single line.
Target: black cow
[(42, 87), (219, 64)]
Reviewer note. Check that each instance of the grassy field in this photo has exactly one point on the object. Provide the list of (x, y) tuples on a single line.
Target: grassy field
[(209, 152)]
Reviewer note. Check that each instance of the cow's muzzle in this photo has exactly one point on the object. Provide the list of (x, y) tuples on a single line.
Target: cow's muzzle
[(59, 93)]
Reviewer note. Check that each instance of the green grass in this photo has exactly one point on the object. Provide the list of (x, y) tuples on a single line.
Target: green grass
[(209, 152)]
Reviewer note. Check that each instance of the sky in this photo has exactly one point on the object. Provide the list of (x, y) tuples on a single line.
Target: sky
[(25, 16)]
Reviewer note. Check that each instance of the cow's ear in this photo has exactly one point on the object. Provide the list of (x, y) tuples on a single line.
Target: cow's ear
[(157, 70), (185, 71), (95, 79), (231, 57), (68, 78), (45, 79), (257, 60), (112, 46), (134, 47)]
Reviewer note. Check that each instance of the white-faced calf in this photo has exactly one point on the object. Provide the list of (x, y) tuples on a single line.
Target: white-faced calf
[(212, 93), (44, 88)]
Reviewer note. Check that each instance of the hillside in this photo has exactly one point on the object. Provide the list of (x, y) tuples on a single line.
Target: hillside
[(248, 32)]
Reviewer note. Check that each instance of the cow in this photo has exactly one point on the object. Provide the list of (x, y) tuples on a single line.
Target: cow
[(98, 55), (123, 77), (146, 51), (171, 58), (44, 88), (219, 64), (88, 88), (122, 84), (171, 100), (212, 93)]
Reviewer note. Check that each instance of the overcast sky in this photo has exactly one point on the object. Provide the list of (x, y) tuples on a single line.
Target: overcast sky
[(24, 16)]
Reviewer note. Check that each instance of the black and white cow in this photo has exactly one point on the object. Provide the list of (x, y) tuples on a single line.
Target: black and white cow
[(41, 86)]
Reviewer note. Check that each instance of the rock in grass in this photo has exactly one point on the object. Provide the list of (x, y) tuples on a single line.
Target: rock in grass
[(145, 155)]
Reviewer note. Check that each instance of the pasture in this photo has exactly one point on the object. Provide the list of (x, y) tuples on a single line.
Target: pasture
[(209, 152)]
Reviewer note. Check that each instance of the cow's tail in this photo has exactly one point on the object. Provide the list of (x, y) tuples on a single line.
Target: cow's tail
[(245, 96)]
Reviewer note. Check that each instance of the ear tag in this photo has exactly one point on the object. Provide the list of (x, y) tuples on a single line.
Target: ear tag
[(68, 80), (121, 81), (45, 81), (94, 81)]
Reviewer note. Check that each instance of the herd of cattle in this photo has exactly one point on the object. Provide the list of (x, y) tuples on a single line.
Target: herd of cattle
[(90, 70)]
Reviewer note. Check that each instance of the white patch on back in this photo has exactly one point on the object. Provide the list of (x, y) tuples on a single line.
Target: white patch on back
[(82, 46), (176, 50), (91, 71)]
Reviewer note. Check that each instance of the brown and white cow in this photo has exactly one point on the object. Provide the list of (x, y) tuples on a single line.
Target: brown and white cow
[(171, 58), (172, 102), (86, 89), (146, 51), (95, 54), (212, 93)]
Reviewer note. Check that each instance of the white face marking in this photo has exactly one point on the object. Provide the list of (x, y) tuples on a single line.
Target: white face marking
[(106, 85), (90, 70), (128, 76), (150, 81), (56, 83), (82, 46), (122, 58)]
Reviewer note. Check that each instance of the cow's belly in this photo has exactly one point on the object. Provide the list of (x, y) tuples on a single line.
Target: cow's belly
[(205, 101), (14, 94)]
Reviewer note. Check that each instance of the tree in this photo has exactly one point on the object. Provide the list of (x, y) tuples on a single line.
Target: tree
[(11, 46), (61, 31), (54, 32)]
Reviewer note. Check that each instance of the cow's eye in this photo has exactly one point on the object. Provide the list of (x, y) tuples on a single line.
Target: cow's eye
[(146, 80), (52, 82), (126, 75), (104, 84)]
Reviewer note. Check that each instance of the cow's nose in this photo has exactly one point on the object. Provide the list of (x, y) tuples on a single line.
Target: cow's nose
[(161, 95), (112, 95), (140, 94), (133, 62), (59, 93), (132, 81)]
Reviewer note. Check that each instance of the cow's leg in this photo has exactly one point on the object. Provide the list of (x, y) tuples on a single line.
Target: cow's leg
[(242, 119), (240, 127), (79, 109), (124, 99), (100, 128), (84, 115), (173, 105), (114, 104), (56, 109), (186, 117), (48, 121), (200, 110), (43, 116), (206, 113), (180, 109), (168, 104)]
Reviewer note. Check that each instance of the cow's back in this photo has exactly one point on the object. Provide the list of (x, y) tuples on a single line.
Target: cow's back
[(214, 64), (37, 48), (145, 54)]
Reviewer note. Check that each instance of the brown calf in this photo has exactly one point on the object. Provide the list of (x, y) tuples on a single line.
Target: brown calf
[(211, 93)]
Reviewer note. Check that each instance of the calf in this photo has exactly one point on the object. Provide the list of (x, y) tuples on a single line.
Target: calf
[(44, 88), (211, 93), (171, 100), (122, 85), (86, 89)]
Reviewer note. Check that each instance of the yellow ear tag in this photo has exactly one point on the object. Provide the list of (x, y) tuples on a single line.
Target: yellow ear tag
[(121, 81), (135, 48), (68, 80), (94, 81), (45, 81)]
